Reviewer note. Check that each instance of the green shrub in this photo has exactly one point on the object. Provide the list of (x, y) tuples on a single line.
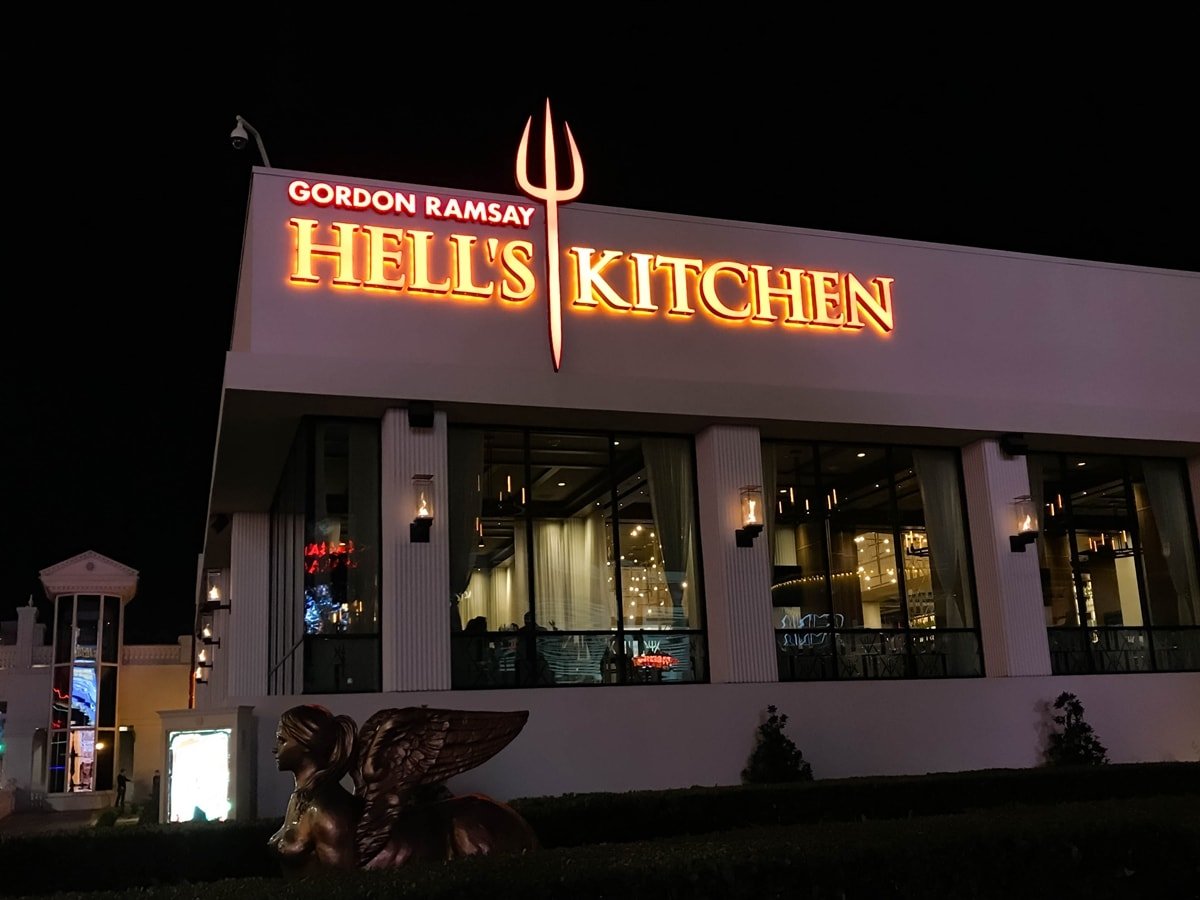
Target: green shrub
[(1075, 744), (775, 758), (107, 818)]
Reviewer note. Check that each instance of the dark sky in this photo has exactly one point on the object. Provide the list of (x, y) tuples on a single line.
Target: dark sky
[(116, 377)]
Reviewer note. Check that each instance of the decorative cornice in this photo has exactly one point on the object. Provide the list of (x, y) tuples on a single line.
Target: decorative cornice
[(90, 573)]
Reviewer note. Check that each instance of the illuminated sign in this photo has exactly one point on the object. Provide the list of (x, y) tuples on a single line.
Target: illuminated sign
[(399, 259)]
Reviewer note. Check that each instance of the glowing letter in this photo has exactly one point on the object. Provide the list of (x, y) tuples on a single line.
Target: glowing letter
[(592, 283), (421, 245), (827, 299), (708, 289), (678, 268), (641, 292), (877, 302), (378, 259), (518, 283), (342, 250), (464, 281), (792, 292)]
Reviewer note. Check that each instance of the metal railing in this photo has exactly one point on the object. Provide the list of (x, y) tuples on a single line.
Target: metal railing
[(825, 654), (1107, 649)]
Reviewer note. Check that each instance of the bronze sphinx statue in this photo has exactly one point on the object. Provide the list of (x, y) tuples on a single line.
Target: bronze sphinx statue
[(395, 760)]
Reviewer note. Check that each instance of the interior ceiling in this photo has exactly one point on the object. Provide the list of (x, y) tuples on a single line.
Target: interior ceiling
[(257, 430)]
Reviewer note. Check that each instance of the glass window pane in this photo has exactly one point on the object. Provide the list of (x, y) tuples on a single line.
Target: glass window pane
[(60, 697), (83, 695), (81, 759), (570, 496), (64, 646), (795, 528), (488, 548), (87, 627), (111, 637), (1047, 488), (1102, 523), (933, 539), (341, 550), (103, 773), (107, 713), (1167, 539), (656, 515), (857, 500), (56, 783)]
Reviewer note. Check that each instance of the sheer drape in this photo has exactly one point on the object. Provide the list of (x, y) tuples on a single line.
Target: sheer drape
[(669, 479), (465, 452), (937, 475), (1164, 485), (569, 571)]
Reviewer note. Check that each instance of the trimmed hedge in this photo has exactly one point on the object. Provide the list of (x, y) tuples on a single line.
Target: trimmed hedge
[(575, 819), (1141, 847), (128, 856)]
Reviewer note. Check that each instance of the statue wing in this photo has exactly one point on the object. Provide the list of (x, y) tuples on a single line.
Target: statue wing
[(401, 749)]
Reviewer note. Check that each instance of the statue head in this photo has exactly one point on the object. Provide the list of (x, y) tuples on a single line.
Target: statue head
[(314, 744)]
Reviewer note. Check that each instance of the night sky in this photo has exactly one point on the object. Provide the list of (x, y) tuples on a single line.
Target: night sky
[(116, 372)]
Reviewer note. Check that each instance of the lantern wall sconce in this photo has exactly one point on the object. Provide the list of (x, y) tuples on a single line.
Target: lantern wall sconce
[(418, 531), (202, 672), (212, 601), (752, 515), (1026, 522)]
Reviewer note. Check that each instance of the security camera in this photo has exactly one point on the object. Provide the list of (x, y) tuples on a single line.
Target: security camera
[(238, 136)]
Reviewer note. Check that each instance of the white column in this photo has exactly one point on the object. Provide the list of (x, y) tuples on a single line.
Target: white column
[(26, 619), (245, 635), (737, 580), (416, 577), (1011, 615)]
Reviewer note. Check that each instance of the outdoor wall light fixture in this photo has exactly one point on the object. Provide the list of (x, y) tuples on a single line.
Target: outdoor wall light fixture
[(752, 515), (241, 134), (202, 672), (418, 531), (213, 600), (1027, 524)]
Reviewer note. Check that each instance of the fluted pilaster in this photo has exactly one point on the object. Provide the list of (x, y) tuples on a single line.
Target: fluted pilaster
[(1011, 615), (244, 637), (737, 580), (416, 577)]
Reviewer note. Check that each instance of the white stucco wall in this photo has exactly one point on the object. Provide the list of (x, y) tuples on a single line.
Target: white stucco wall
[(634, 738), (982, 340)]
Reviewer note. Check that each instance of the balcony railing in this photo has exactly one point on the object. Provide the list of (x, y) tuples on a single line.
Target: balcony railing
[(820, 654), (1090, 650), (555, 658)]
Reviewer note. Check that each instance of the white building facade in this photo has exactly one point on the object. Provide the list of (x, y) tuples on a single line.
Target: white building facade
[(692, 469)]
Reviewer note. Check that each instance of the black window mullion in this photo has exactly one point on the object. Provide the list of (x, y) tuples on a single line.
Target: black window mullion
[(1076, 569), (530, 646), (618, 593), (910, 662), (826, 519)]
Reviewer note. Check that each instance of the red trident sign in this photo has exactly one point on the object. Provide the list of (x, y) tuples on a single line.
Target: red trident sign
[(551, 196)]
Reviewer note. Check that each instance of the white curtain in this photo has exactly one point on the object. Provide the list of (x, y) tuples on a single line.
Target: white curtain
[(569, 573), (669, 480), (937, 474), (465, 452), (1164, 485)]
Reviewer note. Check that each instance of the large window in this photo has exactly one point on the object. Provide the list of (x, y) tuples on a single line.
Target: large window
[(871, 567), (83, 693), (1117, 552), (325, 527), (573, 559)]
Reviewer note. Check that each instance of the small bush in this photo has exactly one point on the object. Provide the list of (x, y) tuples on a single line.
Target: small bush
[(1074, 744), (107, 818), (775, 758)]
